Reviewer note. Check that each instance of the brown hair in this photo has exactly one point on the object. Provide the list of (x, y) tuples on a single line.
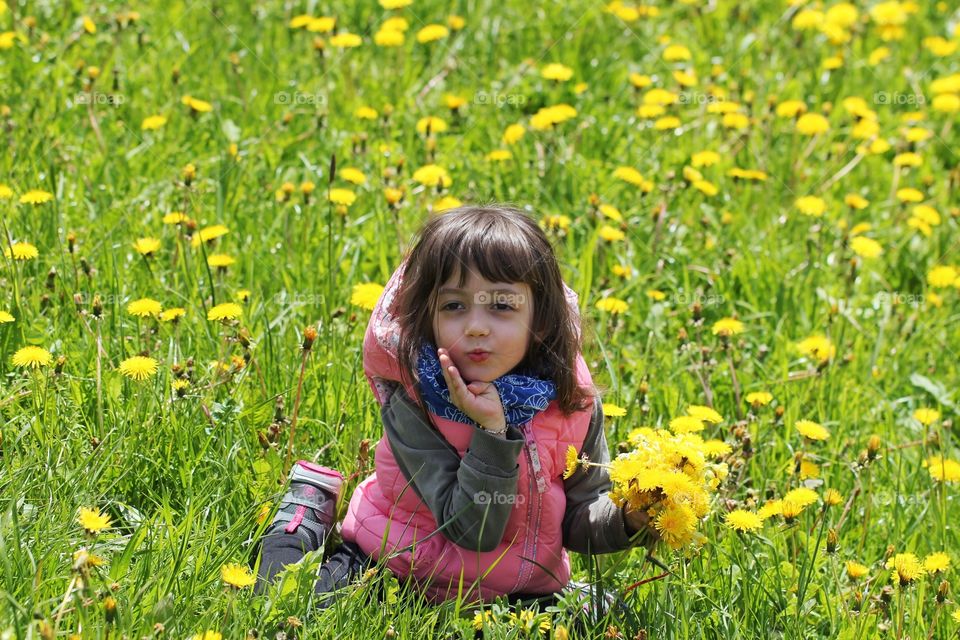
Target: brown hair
[(504, 245)]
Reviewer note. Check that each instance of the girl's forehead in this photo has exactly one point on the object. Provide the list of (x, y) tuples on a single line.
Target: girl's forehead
[(474, 280)]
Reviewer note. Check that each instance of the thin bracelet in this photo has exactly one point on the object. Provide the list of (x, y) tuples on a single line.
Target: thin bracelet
[(496, 433)]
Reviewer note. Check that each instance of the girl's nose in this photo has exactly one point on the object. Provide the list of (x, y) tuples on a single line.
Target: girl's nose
[(476, 326)]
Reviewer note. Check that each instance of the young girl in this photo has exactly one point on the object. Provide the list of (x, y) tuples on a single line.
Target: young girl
[(473, 352)]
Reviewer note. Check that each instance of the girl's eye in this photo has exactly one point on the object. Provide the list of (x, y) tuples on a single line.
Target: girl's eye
[(448, 306), (503, 306)]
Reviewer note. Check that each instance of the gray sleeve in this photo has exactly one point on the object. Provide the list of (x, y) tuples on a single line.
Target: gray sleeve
[(462, 494), (592, 523)]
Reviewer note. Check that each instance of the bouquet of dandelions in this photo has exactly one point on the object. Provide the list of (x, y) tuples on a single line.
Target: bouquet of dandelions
[(669, 474)]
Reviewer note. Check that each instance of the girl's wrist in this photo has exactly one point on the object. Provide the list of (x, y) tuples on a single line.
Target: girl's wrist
[(496, 431)]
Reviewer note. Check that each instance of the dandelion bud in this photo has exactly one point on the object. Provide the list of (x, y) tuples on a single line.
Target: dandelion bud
[(873, 446), (778, 412), (109, 609), (943, 591), (175, 75), (45, 630), (97, 307), (44, 301), (71, 241), (644, 388), (85, 267), (857, 600), (58, 368), (309, 335), (189, 173), (391, 633), (886, 594), (594, 200), (697, 310), (51, 278), (833, 541), (682, 335)]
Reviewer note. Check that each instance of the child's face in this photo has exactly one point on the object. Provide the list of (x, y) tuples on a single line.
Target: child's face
[(494, 317)]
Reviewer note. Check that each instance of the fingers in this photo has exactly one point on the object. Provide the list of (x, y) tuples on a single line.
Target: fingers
[(452, 376)]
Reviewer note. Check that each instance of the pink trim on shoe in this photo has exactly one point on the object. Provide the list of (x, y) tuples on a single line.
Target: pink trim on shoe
[(320, 469), (296, 520)]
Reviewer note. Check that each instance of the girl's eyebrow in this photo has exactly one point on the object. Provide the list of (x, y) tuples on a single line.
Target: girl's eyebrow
[(453, 290)]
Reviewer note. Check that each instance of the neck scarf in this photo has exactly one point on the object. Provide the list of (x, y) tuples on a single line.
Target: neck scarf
[(523, 396)]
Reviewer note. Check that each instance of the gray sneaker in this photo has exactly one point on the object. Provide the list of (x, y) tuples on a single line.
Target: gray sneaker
[(303, 521)]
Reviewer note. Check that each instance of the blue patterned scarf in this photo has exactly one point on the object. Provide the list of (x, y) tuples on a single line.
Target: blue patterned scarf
[(523, 396)]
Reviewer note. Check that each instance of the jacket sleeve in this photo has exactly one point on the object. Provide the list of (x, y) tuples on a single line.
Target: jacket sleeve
[(469, 497), (592, 523)]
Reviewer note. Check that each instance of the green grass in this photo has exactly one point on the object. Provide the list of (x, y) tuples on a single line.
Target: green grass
[(184, 479)]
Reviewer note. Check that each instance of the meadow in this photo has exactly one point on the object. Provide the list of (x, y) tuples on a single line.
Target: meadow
[(755, 202)]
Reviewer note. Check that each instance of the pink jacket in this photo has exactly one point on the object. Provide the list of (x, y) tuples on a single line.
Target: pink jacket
[(386, 518)]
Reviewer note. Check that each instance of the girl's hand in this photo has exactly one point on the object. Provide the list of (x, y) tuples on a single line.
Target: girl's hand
[(479, 400), (639, 520)]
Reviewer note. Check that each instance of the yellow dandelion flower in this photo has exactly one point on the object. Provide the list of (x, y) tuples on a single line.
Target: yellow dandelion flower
[(811, 124), (866, 247), (909, 194), (146, 246), (343, 197), (92, 520), (770, 509), (855, 570), (208, 234), (138, 367), (36, 196), (742, 520), (612, 305), (513, 133), (611, 410), (366, 113), (556, 72), (705, 413), (175, 217), (6, 317), (759, 399), (906, 568), (656, 294), (611, 234), (611, 212), (832, 497), (676, 524), (144, 308), (499, 155), (943, 469), (195, 105), (5, 192), (366, 295), (630, 175), (237, 576), (207, 635), (445, 203), (926, 416), (811, 206), (686, 424), (818, 348), (352, 175), (152, 123), (790, 108), (432, 124), (942, 276), (21, 251), (431, 175), (801, 496), (172, 314), (726, 327), (432, 33), (937, 562), (224, 312), (220, 260), (811, 430), (346, 40), (32, 357), (572, 462)]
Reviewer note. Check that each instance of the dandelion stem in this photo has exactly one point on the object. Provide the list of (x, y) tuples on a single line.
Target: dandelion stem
[(293, 416)]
